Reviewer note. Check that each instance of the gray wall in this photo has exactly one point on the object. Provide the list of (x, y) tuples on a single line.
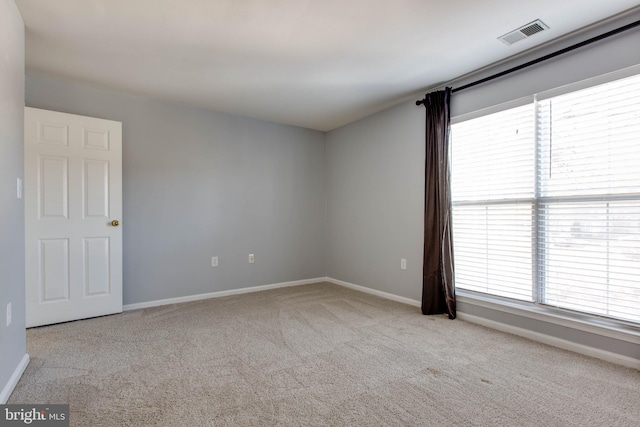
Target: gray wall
[(12, 338), (375, 201), (197, 184), (375, 189)]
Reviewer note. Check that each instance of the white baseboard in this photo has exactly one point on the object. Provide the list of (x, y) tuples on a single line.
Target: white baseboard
[(189, 298), (382, 294), (553, 341), (13, 380)]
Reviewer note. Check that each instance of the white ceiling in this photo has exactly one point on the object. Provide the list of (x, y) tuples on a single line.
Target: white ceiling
[(312, 63)]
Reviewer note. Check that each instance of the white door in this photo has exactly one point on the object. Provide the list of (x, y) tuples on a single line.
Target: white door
[(73, 206)]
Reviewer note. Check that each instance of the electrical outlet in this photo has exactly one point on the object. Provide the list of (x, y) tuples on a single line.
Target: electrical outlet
[(214, 261), (8, 314), (252, 258), (403, 264)]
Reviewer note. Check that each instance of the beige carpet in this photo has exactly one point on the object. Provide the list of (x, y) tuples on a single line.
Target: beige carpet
[(315, 355)]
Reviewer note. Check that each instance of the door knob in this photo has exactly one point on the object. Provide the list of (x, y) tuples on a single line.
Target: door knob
[(115, 223)]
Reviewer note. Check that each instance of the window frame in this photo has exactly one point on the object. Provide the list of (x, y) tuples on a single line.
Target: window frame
[(616, 328)]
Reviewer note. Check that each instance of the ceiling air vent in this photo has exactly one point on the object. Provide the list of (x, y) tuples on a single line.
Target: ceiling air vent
[(523, 32)]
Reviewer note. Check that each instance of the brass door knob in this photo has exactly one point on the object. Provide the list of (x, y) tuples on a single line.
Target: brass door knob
[(115, 223)]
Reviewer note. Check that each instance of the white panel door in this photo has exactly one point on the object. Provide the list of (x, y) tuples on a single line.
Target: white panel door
[(73, 209)]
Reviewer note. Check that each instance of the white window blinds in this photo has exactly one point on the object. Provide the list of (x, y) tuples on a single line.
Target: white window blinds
[(492, 184), (546, 201)]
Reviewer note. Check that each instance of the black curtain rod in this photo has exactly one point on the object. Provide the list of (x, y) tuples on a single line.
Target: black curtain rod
[(544, 58)]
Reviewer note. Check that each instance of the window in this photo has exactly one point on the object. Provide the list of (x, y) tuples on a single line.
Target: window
[(546, 201)]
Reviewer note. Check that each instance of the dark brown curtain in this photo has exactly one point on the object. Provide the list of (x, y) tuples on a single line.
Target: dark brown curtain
[(438, 290)]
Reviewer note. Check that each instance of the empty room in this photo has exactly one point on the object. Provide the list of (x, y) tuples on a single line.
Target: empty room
[(354, 213)]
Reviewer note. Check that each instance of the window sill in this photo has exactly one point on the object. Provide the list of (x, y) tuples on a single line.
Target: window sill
[(583, 322)]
